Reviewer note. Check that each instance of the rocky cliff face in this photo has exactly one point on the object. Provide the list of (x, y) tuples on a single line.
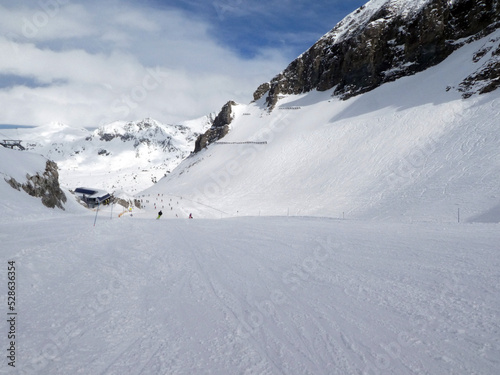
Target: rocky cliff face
[(45, 186), (385, 40), (219, 128)]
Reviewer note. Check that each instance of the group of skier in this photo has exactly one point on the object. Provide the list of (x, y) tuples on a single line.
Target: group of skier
[(161, 213)]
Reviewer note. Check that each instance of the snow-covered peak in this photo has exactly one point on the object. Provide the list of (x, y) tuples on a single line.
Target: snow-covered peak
[(380, 42), (150, 130), (130, 130), (120, 155), (363, 16)]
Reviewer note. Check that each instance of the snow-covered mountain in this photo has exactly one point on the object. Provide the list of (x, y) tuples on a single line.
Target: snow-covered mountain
[(412, 148), (385, 40), (126, 156)]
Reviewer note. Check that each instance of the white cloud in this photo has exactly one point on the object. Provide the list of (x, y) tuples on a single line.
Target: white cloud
[(132, 19), (46, 21), (99, 62)]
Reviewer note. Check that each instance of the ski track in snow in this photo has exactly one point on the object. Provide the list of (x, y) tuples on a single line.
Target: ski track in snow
[(254, 296)]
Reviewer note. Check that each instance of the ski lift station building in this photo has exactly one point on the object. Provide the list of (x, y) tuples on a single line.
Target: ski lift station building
[(92, 197)]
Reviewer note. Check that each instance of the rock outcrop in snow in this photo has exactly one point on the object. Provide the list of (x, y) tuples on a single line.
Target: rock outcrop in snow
[(219, 128), (487, 77), (385, 40), (40, 184)]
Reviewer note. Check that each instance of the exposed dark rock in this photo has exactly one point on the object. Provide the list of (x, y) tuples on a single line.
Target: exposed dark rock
[(45, 186), (12, 182), (137, 203), (261, 90), (219, 128), (388, 45), (104, 137), (487, 77), (103, 152)]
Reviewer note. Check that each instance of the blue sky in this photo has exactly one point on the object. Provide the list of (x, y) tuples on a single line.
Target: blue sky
[(86, 63), (247, 26)]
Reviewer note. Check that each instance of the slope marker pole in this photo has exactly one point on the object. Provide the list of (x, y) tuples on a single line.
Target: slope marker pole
[(98, 204)]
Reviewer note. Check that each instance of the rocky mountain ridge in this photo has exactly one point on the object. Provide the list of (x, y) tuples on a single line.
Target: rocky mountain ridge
[(386, 40)]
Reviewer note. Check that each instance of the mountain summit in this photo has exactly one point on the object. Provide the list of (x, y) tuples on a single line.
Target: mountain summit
[(385, 40)]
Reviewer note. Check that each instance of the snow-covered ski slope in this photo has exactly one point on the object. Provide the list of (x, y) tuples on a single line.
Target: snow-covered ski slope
[(252, 296), (411, 150), (248, 295)]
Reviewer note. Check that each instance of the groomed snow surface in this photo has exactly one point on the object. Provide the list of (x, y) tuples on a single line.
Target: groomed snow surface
[(275, 295)]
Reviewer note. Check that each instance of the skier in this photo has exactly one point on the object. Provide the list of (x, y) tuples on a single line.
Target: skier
[(159, 215), (190, 216)]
